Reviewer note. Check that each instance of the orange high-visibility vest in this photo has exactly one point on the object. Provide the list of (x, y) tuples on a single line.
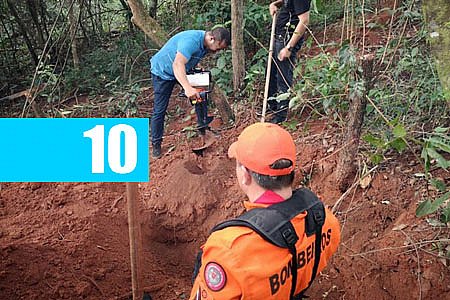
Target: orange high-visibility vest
[(237, 263)]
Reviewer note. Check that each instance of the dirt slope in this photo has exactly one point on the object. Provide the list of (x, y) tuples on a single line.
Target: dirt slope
[(70, 241)]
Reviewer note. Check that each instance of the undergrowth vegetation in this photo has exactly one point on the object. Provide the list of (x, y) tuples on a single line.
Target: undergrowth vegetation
[(407, 110)]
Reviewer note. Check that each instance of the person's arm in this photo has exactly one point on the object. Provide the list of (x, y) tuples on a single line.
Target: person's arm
[(218, 276), (179, 70), (298, 33), (273, 7)]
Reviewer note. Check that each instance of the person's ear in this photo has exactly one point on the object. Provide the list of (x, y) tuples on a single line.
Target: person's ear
[(247, 177)]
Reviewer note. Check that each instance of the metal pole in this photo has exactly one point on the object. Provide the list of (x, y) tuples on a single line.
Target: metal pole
[(269, 67)]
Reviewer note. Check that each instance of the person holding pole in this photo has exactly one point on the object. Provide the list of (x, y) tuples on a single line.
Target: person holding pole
[(292, 17), (287, 236)]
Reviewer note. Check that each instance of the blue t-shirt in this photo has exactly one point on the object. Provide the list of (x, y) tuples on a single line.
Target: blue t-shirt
[(189, 43)]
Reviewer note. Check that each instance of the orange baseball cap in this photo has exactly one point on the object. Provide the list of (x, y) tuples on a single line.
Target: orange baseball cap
[(262, 144)]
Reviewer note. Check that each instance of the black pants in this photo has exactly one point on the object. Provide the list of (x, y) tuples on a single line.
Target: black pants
[(281, 77)]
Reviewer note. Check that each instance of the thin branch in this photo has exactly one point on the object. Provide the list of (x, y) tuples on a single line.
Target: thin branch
[(44, 51), (418, 263), (401, 247), (389, 33), (338, 202)]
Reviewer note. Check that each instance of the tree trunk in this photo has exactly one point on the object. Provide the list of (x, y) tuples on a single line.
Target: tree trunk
[(152, 8), (437, 14), (43, 12), (23, 31), (92, 18), (99, 18), (73, 26), (237, 43), (147, 24), (128, 14), (346, 167), (34, 16), (12, 42), (154, 31)]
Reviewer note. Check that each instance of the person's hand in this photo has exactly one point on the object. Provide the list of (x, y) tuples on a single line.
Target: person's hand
[(191, 92), (273, 9), (284, 54)]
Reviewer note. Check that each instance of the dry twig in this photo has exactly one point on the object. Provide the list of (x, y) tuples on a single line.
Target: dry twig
[(91, 280), (116, 201), (413, 243), (338, 202), (401, 247)]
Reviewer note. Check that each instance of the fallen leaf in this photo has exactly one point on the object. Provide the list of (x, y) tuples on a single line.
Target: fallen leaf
[(399, 227), (365, 182)]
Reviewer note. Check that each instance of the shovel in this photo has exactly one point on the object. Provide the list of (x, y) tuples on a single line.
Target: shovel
[(208, 139)]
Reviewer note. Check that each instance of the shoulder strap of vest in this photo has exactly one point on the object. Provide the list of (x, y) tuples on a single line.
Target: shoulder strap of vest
[(274, 225)]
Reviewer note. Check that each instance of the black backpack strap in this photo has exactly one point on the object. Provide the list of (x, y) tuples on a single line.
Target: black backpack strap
[(316, 220), (197, 265), (274, 225)]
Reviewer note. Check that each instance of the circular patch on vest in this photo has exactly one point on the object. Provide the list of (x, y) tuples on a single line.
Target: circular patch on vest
[(215, 276)]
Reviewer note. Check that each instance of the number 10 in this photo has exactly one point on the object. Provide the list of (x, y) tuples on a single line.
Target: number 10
[(97, 134)]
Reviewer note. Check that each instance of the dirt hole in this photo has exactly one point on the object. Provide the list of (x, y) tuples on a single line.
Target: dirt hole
[(194, 168)]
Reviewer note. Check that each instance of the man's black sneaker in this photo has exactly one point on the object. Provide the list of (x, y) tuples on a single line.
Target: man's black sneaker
[(156, 152), (209, 119)]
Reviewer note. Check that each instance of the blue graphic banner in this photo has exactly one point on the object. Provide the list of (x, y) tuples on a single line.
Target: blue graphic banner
[(74, 150)]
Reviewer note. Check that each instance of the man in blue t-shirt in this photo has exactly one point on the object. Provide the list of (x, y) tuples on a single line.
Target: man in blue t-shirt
[(291, 22), (169, 65)]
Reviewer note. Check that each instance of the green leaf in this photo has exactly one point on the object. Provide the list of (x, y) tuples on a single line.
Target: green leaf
[(398, 144), (295, 101), (427, 207), (425, 157), (221, 62), (283, 96), (374, 141), (399, 131), (314, 4), (441, 129), (445, 216), (439, 184), (414, 52), (441, 161), (424, 209), (215, 71), (376, 158), (439, 143)]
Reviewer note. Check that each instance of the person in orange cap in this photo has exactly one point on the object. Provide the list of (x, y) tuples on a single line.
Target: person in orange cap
[(285, 238)]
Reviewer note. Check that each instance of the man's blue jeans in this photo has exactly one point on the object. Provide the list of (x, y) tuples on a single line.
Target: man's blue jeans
[(281, 75), (162, 90)]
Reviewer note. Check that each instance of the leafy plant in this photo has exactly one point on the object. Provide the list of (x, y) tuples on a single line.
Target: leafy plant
[(222, 73), (429, 206), (393, 139), (124, 102), (328, 78), (436, 143)]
